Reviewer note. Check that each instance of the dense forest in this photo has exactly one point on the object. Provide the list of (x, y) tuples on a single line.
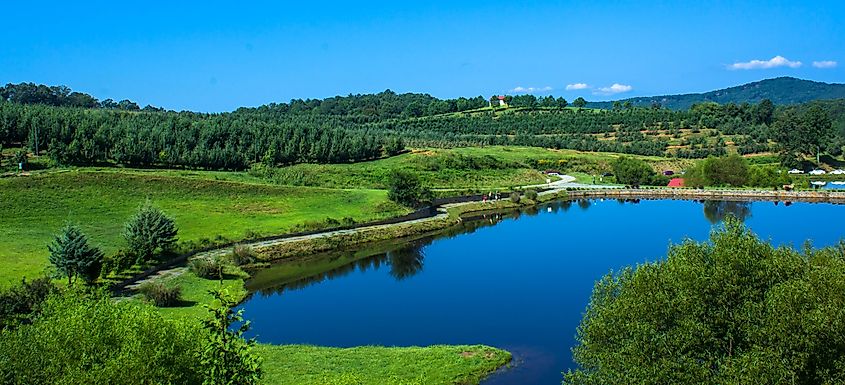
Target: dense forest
[(74, 128)]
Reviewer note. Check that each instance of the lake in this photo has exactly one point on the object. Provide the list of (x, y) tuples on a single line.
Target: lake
[(519, 282)]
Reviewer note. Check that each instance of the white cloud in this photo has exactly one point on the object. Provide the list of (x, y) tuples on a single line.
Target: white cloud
[(616, 88), (777, 61), (825, 64), (530, 90), (577, 86)]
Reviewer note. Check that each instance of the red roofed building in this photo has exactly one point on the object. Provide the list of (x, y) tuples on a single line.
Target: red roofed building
[(676, 182)]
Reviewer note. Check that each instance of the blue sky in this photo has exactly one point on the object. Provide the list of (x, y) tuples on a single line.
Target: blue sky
[(217, 56)]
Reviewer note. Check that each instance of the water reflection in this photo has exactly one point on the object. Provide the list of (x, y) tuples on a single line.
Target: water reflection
[(406, 262), (716, 211)]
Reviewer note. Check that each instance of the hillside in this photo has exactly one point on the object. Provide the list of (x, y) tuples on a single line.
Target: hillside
[(781, 91)]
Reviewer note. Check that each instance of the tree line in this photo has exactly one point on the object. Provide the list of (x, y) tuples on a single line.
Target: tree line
[(360, 127)]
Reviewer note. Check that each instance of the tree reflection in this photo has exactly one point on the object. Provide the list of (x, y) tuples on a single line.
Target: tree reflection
[(716, 211), (584, 204), (406, 262)]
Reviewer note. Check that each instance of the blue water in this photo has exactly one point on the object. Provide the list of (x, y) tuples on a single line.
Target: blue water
[(521, 284)]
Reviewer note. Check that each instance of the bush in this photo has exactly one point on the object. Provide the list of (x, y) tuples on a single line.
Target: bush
[(242, 255), (405, 188), (19, 304), (634, 172), (531, 194), (161, 292), (208, 268), (79, 339), (735, 310), (730, 170), (515, 196)]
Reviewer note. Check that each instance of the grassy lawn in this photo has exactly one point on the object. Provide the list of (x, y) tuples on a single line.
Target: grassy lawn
[(34, 208), (433, 365)]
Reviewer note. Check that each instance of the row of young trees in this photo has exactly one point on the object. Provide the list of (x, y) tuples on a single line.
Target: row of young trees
[(361, 127)]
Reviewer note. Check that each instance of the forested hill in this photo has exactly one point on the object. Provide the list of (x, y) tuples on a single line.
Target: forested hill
[(781, 91)]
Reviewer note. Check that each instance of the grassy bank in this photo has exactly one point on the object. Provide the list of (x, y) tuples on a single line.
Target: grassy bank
[(33, 208), (433, 365)]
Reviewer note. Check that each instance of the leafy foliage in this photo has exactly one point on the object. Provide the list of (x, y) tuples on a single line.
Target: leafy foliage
[(634, 172), (83, 340), (405, 188), (149, 230), (735, 310), (73, 257), (730, 170), (21, 303), (226, 358)]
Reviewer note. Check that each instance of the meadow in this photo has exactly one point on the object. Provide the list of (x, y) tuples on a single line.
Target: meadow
[(34, 208)]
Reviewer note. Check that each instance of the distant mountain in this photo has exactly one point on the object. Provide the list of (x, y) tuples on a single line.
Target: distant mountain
[(781, 91)]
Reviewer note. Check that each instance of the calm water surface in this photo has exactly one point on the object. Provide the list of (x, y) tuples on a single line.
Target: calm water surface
[(520, 283)]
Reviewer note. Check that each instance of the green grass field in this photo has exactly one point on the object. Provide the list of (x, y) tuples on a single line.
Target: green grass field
[(33, 208), (433, 365)]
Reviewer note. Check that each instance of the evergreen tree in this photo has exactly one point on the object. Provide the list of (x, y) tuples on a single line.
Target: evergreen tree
[(149, 230), (73, 257)]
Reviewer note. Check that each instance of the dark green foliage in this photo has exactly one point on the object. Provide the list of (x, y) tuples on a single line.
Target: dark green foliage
[(579, 102), (531, 194), (780, 91), (634, 172), (20, 304), (730, 170), (406, 189), (161, 292), (73, 257), (208, 268), (802, 133), (767, 176), (148, 231), (82, 340), (394, 146), (515, 197), (735, 310), (226, 358)]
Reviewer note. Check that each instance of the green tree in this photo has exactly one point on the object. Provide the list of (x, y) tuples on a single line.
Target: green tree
[(148, 231), (228, 359), (631, 171), (804, 134), (394, 145), (73, 257), (579, 102), (734, 310), (406, 189), (731, 170)]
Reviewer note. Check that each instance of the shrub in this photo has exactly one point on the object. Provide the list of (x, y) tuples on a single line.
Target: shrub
[(20, 303), (735, 310), (242, 255), (79, 339), (515, 197), (161, 292), (405, 188), (531, 194), (208, 268)]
